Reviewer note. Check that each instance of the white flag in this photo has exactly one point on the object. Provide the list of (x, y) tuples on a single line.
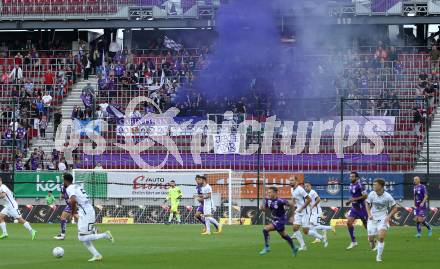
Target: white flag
[(171, 44)]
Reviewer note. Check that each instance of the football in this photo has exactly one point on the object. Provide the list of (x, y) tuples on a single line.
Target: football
[(58, 252)]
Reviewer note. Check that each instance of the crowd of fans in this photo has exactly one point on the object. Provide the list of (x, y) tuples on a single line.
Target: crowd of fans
[(168, 77), (34, 78)]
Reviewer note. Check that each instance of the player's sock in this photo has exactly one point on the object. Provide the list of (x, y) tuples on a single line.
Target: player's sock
[(351, 231), (91, 248), (427, 225), (213, 221), (289, 240), (419, 227), (3, 227), (323, 227), (316, 235), (202, 220), (28, 227), (178, 217), (92, 237), (300, 238), (170, 218), (207, 225), (266, 238), (380, 247), (63, 226)]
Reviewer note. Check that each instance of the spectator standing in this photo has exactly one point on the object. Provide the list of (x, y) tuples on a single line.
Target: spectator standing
[(43, 127), (113, 48), (381, 54), (18, 59), (392, 55), (62, 165), (4, 50), (435, 56), (429, 93), (57, 117), (87, 68), (35, 160), (49, 79), (20, 133), (16, 74), (417, 119), (47, 103)]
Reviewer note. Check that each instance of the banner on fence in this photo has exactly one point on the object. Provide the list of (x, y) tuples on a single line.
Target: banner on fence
[(37, 184), (82, 127), (226, 143), (137, 184), (328, 185), (155, 126)]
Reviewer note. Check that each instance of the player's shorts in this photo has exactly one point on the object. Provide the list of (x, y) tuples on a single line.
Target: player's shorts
[(302, 219), (200, 209), (279, 224), (174, 207), (420, 212), (68, 209), (208, 209), (358, 213), (315, 219), (374, 226), (11, 212), (86, 220)]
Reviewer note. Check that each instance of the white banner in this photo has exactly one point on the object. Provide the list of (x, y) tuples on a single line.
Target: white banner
[(226, 143)]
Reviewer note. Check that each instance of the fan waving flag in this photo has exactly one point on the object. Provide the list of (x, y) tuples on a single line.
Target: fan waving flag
[(171, 44)]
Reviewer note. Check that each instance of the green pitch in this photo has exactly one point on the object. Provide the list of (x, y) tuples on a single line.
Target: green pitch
[(180, 247)]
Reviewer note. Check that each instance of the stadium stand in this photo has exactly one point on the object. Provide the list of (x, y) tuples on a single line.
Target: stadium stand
[(166, 76)]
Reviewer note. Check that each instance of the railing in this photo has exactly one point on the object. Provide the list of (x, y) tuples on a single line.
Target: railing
[(101, 8)]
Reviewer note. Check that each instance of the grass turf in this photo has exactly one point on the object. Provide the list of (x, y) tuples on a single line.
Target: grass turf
[(182, 246)]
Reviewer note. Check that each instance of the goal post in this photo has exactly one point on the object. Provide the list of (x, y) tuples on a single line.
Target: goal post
[(139, 194)]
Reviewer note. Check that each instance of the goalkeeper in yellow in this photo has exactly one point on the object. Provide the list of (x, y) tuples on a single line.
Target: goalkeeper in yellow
[(174, 195)]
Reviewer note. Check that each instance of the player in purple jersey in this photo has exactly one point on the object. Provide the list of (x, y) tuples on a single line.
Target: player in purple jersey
[(67, 212), (420, 198), (277, 207), (358, 209)]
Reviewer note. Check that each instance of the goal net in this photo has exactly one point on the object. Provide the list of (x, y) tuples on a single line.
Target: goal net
[(139, 196)]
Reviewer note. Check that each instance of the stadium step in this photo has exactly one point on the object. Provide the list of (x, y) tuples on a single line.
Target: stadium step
[(434, 149), (71, 100)]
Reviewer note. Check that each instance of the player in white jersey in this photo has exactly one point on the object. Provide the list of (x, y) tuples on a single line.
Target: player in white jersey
[(316, 213), (11, 209), (301, 201), (81, 205), (381, 207), (208, 207)]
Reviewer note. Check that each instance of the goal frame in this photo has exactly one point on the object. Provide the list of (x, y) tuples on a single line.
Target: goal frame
[(228, 171)]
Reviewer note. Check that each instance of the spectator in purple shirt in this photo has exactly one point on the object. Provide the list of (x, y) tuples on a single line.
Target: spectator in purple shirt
[(35, 160), (18, 163), (119, 70), (20, 135), (7, 137), (55, 155)]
